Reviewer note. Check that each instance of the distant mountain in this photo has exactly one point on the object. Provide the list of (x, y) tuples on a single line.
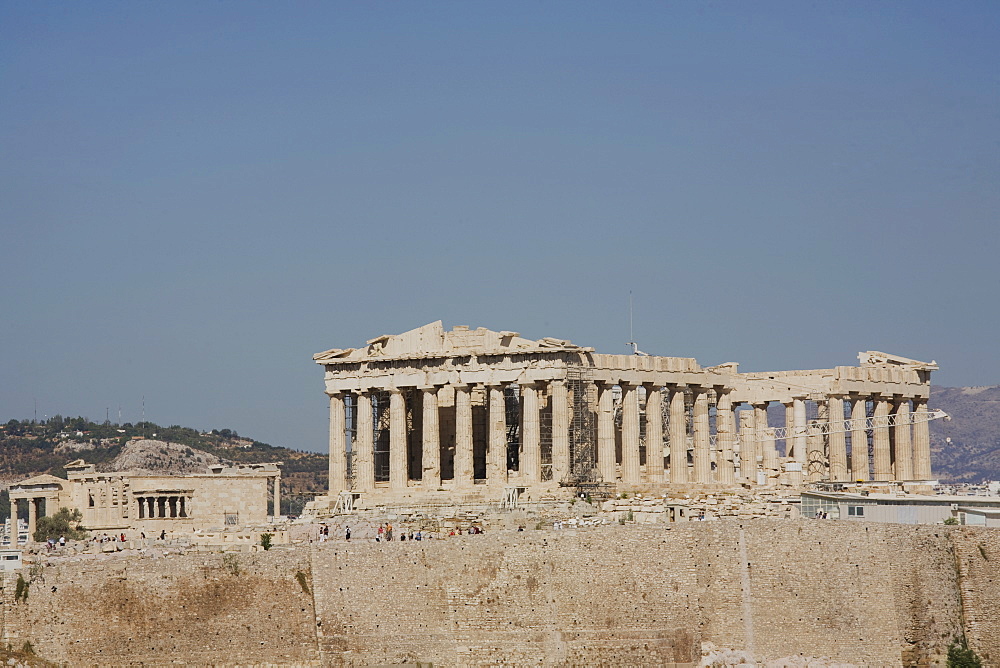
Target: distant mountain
[(973, 452)]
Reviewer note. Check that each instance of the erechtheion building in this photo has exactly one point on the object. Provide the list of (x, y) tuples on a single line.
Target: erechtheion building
[(477, 412), (131, 502)]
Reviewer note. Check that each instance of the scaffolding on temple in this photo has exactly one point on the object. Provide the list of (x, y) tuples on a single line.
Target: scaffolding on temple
[(350, 435), (582, 428), (381, 418)]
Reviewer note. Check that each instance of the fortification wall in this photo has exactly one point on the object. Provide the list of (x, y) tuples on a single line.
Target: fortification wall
[(977, 552), (870, 595), (862, 594), (196, 608)]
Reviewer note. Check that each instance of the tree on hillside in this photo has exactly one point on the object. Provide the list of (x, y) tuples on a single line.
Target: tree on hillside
[(66, 523)]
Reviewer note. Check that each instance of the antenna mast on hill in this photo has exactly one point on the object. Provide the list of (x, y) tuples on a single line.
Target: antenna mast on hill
[(631, 335)]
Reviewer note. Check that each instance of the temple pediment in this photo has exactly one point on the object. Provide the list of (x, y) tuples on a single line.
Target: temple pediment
[(876, 358), (44, 480), (432, 340)]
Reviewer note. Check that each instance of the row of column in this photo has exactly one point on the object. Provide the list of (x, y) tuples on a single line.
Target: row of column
[(163, 507), (903, 455), (700, 470), (496, 452), (530, 466), (900, 451)]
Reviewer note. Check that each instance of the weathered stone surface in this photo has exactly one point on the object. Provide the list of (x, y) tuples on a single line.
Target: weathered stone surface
[(871, 595)]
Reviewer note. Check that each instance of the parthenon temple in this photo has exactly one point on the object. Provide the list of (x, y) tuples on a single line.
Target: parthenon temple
[(475, 412)]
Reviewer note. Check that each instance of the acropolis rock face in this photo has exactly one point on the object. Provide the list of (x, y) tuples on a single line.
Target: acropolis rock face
[(477, 413), (845, 593)]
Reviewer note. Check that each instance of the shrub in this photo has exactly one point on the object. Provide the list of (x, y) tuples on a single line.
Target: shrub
[(960, 656), (951, 521), (265, 540), (300, 577), (66, 523), (21, 590), (231, 563)]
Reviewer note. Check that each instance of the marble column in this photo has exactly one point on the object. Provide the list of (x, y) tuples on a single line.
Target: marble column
[(630, 433), (276, 500), (724, 437), (838, 440), (338, 446), (859, 440), (765, 441), (904, 443), (398, 461), (606, 432), (531, 448), (801, 442), (363, 461), (921, 441), (560, 430), (431, 440), (32, 519), (748, 447), (882, 455), (769, 450), (702, 452), (816, 465), (464, 472), (678, 437), (789, 428), (496, 458), (654, 434)]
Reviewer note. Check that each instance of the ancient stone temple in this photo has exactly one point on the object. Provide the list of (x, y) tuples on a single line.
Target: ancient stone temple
[(478, 412), (128, 501)]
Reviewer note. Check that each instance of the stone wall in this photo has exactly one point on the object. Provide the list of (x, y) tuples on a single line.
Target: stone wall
[(195, 608), (977, 552), (862, 594)]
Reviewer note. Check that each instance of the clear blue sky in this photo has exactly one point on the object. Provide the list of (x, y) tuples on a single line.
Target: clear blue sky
[(195, 197)]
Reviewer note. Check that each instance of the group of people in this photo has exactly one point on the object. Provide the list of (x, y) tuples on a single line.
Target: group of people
[(111, 539), (52, 542), (385, 533), (120, 538)]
